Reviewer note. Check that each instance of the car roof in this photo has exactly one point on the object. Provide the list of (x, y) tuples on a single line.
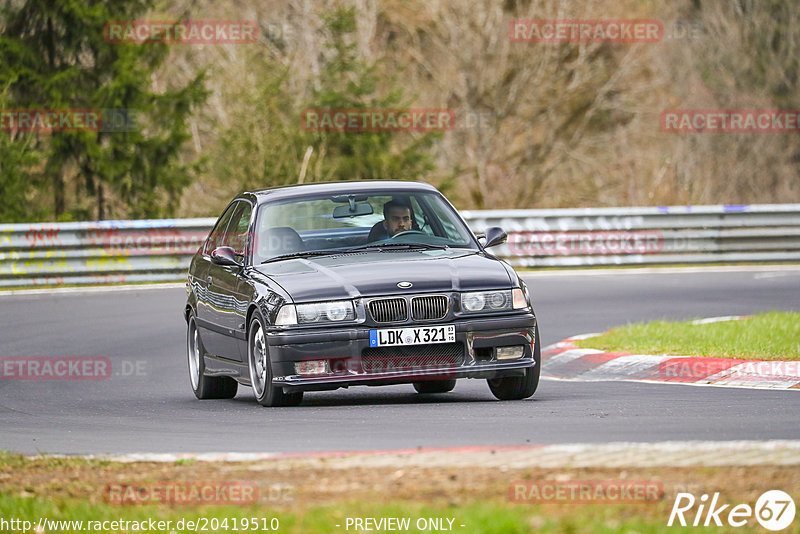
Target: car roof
[(337, 188)]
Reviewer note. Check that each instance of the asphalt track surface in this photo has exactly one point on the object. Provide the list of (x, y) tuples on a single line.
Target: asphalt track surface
[(147, 405)]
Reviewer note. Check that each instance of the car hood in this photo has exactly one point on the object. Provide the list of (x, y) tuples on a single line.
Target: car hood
[(372, 273)]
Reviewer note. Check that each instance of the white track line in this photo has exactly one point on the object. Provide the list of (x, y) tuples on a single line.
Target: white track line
[(532, 272), (615, 454), (91, 289)]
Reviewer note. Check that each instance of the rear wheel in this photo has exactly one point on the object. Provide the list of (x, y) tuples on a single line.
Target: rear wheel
[(435, 386), (261, 369), (205, 387), (519, 387)]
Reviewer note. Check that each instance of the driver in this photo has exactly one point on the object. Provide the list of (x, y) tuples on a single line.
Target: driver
[(396, 218)]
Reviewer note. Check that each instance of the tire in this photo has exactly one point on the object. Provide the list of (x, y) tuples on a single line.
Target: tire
[(261, 368), (435, 386), (204, 387), (519, 387)]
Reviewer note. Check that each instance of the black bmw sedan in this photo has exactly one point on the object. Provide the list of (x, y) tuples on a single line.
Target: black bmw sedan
[(321, 286)]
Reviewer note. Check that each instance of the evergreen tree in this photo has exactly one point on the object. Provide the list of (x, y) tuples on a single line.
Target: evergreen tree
[(348, 83), (53, 55)]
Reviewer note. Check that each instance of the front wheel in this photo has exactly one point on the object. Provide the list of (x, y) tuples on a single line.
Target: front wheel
[(519, 387), (261, 368), (205, 387)]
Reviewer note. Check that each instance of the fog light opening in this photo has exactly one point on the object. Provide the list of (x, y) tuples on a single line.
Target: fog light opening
[(510, 353), (312, 367)]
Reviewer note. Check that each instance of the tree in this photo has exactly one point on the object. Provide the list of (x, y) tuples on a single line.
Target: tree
[(349, 83), (744, 58), (54, 56), (265, 143), (17, 155)]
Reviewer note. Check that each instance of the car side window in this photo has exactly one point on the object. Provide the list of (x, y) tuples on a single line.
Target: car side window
[(215, 238), (236, 234)]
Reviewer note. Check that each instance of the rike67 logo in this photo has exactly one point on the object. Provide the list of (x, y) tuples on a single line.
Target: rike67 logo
[(774, 510)]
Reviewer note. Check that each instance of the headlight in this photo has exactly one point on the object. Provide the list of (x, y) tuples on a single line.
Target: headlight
[(493, 301), (318, 312), (323, 312), (473, 301)]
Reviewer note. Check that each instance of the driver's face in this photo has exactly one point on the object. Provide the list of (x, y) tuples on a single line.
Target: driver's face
[(397, 220)]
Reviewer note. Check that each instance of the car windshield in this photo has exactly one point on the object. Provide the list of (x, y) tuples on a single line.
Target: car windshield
[(338, 223)]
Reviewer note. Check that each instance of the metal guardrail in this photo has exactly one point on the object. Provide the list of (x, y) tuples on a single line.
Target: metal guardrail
[(646, 236), (160, 250), (98, 252)]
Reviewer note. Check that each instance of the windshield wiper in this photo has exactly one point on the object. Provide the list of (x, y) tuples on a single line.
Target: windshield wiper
[(304, 254), (381, 246)]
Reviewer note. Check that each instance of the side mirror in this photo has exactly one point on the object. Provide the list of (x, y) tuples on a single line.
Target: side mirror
[(495, 236), (224, 256)]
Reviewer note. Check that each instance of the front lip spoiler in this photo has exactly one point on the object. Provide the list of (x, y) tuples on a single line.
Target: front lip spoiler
[(472, 371)]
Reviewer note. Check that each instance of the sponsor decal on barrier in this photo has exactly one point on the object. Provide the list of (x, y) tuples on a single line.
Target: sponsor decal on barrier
[(181, 32), (588, 243), (42, 236), (586, 491)]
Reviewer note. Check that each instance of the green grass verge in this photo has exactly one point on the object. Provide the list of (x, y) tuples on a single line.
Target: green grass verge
[(768, 336), (51, 489)]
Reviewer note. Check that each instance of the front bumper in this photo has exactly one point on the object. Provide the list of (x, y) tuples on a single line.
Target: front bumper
[(353, 362)]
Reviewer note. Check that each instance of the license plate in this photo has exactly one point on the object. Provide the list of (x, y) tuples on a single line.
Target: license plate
[(418, 335)]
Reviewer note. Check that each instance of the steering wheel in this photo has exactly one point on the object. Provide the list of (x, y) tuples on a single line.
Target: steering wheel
[(407, 232)]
